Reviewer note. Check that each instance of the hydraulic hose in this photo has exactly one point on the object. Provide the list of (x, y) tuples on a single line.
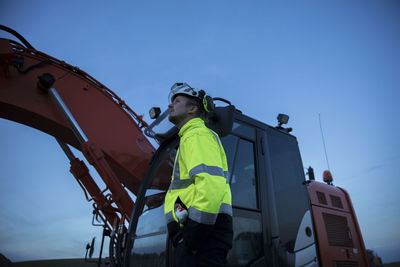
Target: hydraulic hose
[(16, 34)]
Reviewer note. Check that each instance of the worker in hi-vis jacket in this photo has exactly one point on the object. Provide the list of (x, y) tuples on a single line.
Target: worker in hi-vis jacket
[(198, 204)]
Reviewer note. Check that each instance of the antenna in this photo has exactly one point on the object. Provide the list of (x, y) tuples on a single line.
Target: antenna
[(323, 141)]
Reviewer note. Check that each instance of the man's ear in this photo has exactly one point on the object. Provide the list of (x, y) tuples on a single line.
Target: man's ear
[(193, 109)]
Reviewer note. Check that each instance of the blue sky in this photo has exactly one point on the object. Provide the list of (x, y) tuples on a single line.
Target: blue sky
[(340, 59)]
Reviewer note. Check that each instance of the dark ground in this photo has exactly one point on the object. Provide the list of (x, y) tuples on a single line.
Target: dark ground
[(4, 262)]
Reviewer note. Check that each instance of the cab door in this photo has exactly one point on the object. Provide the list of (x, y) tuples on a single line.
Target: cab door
[(287, 214), (241, 148)]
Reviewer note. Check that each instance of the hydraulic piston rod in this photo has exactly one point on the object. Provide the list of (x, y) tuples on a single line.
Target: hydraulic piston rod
[(80, 135)]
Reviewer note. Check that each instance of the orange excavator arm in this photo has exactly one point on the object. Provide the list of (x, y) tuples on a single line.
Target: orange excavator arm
[(56, 98)]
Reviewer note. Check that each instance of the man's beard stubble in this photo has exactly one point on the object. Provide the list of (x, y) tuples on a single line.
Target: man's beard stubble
[(175, 119)]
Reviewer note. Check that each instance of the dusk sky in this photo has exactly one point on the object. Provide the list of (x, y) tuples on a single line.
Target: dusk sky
[(337, 59)]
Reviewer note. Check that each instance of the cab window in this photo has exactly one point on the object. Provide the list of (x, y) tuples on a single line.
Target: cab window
[(243, 179), (247, 238)]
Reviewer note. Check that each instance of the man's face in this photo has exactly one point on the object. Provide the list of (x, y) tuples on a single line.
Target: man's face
[(180, 110)]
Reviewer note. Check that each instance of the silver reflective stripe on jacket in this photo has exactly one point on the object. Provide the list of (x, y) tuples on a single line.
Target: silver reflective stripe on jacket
[(177, 172), (226, 173), (211, 170), (206, 217), (202, 216), (226, 209), (178, 183), (216, 137)]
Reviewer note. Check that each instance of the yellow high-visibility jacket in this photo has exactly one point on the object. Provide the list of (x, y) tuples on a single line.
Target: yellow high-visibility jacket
[(199, 183)]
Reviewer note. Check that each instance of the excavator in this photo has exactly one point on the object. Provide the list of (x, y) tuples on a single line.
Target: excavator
[(280, 217)]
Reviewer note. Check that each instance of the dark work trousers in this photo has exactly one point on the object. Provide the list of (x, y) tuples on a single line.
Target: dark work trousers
[(205, 257)]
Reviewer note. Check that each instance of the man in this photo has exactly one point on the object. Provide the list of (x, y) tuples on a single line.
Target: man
[(199, 185)]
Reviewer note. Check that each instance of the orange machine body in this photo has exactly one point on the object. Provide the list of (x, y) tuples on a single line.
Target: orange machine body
[(116, 145), (337, 230)]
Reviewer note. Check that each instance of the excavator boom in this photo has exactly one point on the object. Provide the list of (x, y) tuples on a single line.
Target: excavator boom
[(114, 143)]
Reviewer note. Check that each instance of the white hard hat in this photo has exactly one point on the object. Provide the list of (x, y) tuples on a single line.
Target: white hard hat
[(185, 89)]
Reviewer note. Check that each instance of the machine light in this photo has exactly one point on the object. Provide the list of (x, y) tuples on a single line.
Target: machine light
[(282, 119), (327, 177), (154, 112)]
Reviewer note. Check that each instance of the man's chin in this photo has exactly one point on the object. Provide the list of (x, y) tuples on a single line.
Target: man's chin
[(172, 119)]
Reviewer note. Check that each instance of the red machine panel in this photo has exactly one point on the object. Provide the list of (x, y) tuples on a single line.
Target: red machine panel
[(103, 117), (339, 238)]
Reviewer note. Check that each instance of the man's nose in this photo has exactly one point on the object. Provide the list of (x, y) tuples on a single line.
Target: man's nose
[(170, 105)]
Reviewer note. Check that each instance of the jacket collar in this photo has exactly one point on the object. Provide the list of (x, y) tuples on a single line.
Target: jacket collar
[(193, 123)]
